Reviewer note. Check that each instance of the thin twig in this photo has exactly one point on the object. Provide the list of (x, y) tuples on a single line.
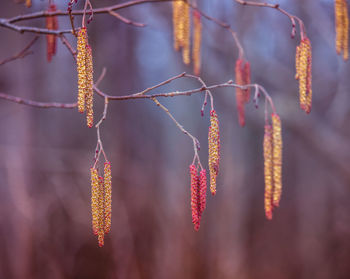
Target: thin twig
[(125, 20), (22, 53), (31, 103)]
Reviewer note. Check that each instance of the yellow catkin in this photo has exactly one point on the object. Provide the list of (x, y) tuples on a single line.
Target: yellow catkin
[(186, 34), (277, 159), (81, 68), (297, 62), (89, 93), (302, 74), (101, 226), (196, 49), (28, 3), (308, 102), (268, 170), (94, 199), (107, 196), (214, 150), (342, 28), (177, 10)]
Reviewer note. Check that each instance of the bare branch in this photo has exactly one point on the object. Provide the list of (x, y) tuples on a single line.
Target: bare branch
[(31, 103), (125, 20), (22, 53)]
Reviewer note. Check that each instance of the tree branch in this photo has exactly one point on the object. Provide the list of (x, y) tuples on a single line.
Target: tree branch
[(22, 53)]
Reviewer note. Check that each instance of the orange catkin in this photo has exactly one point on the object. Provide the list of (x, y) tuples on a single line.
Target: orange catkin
[(268, 170), (196, 49), (277, 159), (177, 23), (94, 199), (186, 34), (51, 24), (194, 195), (81, 68), (342, 28), (28, 3), (242, 72), (303, 68), (107, 196), (214, 150)]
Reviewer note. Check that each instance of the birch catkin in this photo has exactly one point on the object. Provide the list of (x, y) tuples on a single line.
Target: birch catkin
[(202, 190), (107, 196), (268, 169), (51, 24), (197, 37), (303, 67), (81, 68), (277, 159), (94, 199), (186, 34), (242, 73), (342, 28), (89, 93), (101, 226), (194, 195), (214, 150)]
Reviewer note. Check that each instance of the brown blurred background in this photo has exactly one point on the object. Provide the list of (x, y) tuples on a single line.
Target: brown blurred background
[(46, 154)]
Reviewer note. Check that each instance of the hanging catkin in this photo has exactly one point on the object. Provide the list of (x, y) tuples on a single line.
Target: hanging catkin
[(101, 226), (81, 68), (342, 28), (214, 150), (242, 72), (268, 169), (197, 37), (276, 159), (107, 196), (303, 67), (89, 93), (94, 199), (51, 24)]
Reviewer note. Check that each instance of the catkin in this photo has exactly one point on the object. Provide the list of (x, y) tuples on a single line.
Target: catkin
[(51, 24), (181, 25), (194, 194), (242, 72), (28, 3), (197, 37), (107, 196), (81, 68), (276, 159), (202, 190), (342, 28), (100, 231), (186, 34), (268, 170), (89, 93), (303, 66), (94, 199), (214, 150)]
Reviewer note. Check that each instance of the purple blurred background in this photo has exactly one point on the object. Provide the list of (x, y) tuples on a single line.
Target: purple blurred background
[(46, 154)]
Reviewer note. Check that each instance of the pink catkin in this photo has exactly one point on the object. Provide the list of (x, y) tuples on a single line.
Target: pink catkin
[(202, 190), (194, 194)]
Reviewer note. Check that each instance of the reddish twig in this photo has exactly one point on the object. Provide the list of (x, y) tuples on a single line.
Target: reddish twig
[(22, 53), (125, 20)]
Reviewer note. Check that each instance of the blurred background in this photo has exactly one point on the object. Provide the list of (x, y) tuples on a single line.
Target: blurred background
[(46, 154)]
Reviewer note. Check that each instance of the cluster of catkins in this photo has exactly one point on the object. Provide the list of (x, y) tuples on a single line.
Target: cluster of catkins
[(85, 76), (242, 71), (199, 182), (182, 30), (303, 67), (101, 202), (51, 24), (272, 164), (342, 28)]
